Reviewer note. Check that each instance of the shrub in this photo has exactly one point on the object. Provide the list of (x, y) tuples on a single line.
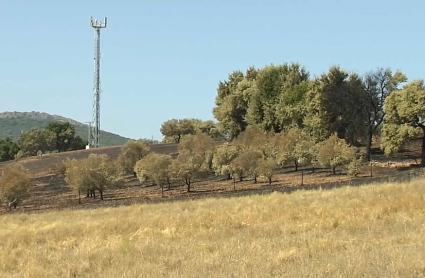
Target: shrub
[(335, 152), (97, 172), (131, 152), (266, 168), (155, 167), (14, 185)]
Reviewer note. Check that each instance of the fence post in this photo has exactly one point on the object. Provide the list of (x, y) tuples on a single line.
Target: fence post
[(302, 177)]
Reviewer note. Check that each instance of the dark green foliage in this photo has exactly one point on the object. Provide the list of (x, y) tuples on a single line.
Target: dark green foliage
[(58, 136), (337, 105), (378, 85), (65, 136), (8, 149), (13, 124)]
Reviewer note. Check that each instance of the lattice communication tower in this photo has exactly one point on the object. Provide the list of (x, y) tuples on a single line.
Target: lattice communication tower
[(94, 127)]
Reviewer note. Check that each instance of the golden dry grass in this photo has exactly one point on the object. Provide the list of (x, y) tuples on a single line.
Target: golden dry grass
[(376, 231)]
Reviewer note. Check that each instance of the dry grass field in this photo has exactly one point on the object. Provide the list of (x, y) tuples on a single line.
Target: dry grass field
[(373, 231)]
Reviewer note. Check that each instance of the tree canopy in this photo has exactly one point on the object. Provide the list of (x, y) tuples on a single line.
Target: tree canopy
[(97, 172), (131, 152), (404, 117), (175, 130), (8, 149), (378, 85), (36, 140)]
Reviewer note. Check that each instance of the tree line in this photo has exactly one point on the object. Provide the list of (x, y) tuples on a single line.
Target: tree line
[(253, 154), (57, 136), (267, 119), (279, 97), (357, 108)]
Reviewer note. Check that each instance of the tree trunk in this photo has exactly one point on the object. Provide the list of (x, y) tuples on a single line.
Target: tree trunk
[(169, 183), (240, 178), (162, 190), (369, 144), (296, 165), (228, 176), (88, 193), (270, 181), (79, 196), (423, 148), (188, 184), (302, 177), (255, 179), (234, 183), (101, 194), (334, 170)]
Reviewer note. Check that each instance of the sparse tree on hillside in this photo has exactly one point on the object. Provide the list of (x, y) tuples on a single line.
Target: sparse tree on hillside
[(335, 152), (266, 167), (223, 156), (253, 138), (131, 152), (155, 167), (175, 130), (65, 136), (14, 185), (195, 157), (405, 118), (295, 147), (246, 164), (37, 140), (97, 172)]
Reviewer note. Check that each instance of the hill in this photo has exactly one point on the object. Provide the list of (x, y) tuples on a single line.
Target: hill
[(13, 123), (375, 230)]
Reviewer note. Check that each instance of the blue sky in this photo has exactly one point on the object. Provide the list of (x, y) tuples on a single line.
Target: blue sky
[(164, 59)]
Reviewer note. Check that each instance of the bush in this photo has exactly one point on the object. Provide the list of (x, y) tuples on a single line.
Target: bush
[(97, 172), (247, 164), (223, 156), (14, 185), (155, 167), (335, 152), (266, 168), (353, 168), (131, 152)]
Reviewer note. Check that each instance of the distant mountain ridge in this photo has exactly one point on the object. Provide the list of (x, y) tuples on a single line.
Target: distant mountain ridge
[(13, 123)]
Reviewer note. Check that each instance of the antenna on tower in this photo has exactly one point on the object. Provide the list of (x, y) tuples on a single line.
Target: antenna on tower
[(94, 140)]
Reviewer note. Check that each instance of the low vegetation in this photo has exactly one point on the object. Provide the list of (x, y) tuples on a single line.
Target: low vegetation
[(367, 231), (14, 185), (96, 173), (131, 152)]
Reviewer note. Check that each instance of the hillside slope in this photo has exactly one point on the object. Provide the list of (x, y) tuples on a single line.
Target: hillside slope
[(370, 231), (13, 123)]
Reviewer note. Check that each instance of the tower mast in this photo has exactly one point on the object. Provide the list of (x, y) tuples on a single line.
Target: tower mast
[(95, 127)]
